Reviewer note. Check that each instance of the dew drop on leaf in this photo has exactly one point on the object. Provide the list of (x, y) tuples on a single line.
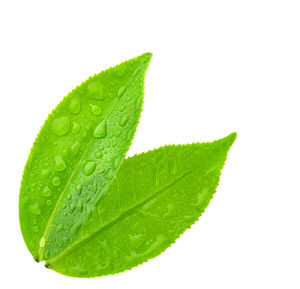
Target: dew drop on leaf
[(80, 206), (117, 162), (121, 91), (75, 148), (60, 164), (118, 132), (56, 181), (75, 107), (35, 209), (95, 109), (47, 192), (79, 188), (61, 125), (48, 203), (76, 227), (95, 90), (89, 168), (65, 239), (100, 130), (110, 175), (45, 173), (89, 212), (75, 127), (124, 120), (98, 155), (35, 228), (72, 207)]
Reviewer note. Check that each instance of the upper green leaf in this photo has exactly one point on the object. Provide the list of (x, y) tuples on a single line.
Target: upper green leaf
[(76, 156), (155, 197)]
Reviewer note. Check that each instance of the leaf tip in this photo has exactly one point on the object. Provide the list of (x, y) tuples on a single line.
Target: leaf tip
[(145, 58), (231, 138)]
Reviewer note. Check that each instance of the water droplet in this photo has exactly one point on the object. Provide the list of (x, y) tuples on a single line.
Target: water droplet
[(45, 173), (89, 212), (47, 192), (42, 242), (56, 181), (69, 197), (48, 203), (89, 168), (110, 175), (95, 90), (100, 130), (59, 227), (95, 109), (61, 125), (101, 147), (121, 91), (35, 229), (72, 207), (124, 120), (80, 206), (114, 143), (117, 162), (65, 239), (98, 155), (75, 107), (118, 132), (59, 164), (122, 108), (79, 188), (76, 227), (75, 148), (75, 127), (35, 209)]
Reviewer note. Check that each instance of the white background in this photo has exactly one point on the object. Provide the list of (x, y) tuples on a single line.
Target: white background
[(217, 67)]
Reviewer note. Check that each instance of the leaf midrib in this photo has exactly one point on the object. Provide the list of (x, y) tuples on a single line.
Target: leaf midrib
[(52, 261)]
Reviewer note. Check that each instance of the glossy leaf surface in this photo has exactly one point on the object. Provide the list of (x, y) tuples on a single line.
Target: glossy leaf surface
[(155, 197), (76, 156)]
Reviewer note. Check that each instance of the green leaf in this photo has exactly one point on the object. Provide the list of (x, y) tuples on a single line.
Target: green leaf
[(155, 197), (76, 156)]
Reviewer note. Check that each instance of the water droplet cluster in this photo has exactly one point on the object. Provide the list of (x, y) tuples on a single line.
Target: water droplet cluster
[(79, 141)]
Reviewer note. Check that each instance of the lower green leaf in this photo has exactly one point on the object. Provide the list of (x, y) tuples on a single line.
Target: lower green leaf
[(155, 197)]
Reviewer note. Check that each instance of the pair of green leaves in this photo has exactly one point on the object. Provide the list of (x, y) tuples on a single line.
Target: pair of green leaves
[(88, 212)]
